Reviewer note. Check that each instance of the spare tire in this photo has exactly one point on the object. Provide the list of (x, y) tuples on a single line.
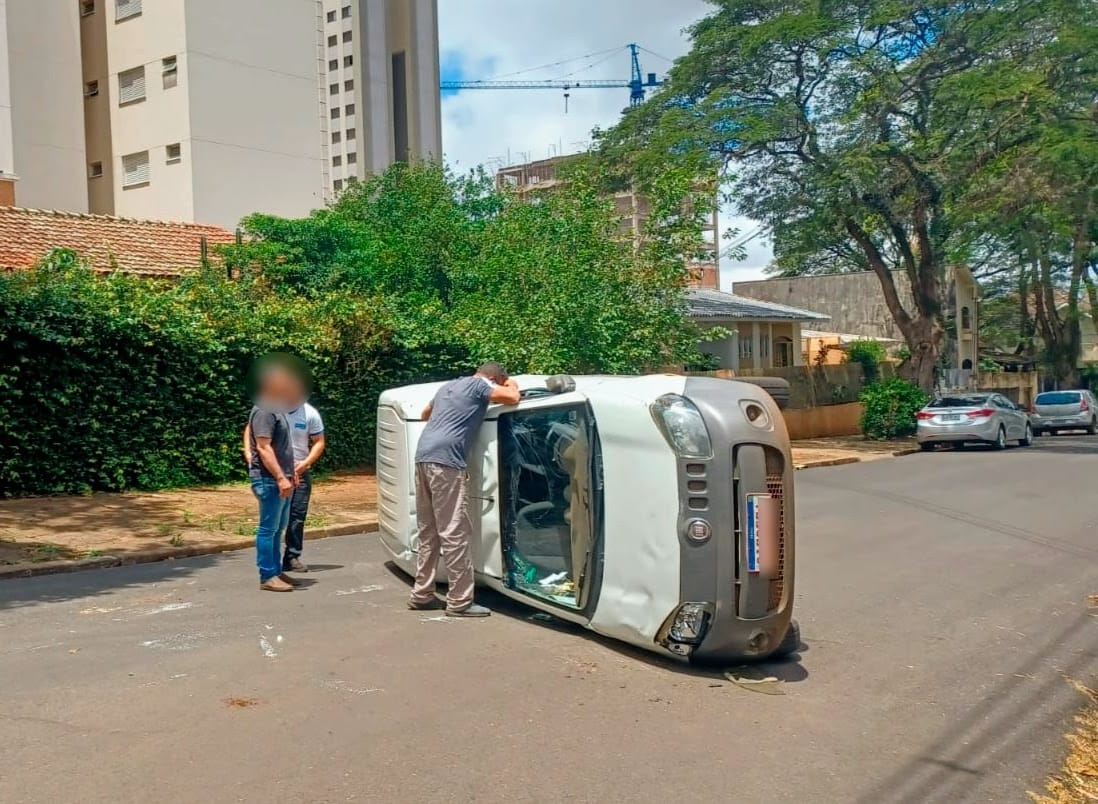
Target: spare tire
[(775, 386)]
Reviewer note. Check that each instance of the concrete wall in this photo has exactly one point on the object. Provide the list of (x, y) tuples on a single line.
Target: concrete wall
[(1021, 387), (7, 148), (42, 53), (824, 422), (855, 302), (150, 125), (253, 108)]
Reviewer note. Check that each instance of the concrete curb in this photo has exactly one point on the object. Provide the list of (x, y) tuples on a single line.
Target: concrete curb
[(32, 570), (844, 461)]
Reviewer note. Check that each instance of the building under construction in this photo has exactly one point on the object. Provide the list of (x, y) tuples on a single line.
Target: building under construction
[(633, 207)]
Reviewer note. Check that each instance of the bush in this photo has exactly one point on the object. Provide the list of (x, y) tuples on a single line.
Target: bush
[(890, 408), (870, 355), (116, 383)]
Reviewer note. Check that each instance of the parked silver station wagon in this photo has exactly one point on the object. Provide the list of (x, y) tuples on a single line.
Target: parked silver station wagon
[(1054, 411)]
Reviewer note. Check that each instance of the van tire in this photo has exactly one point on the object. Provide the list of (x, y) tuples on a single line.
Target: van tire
[(791, 642), (775, 386)]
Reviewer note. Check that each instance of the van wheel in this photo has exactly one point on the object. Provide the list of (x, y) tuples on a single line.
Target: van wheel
[(791, 642)]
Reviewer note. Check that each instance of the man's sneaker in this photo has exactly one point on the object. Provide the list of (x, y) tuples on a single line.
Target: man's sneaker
[(434, 604), (472, 610), (287, 579), (295, 565), (275, 584)]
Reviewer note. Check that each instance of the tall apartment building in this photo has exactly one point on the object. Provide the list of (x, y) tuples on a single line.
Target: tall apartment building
[(207, 110), (633, 207)]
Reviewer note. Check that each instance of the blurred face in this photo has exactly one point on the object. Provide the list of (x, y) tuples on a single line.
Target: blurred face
[(279, 388)]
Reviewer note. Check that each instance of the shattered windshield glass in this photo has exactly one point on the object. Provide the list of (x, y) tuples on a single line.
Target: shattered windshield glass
[(546, 477)]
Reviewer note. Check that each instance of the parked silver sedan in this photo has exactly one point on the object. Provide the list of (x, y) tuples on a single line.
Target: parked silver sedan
[(1054, 411), (980, 418)]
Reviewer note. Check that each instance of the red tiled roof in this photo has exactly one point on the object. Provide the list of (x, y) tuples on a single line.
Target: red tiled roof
[(152, 248)]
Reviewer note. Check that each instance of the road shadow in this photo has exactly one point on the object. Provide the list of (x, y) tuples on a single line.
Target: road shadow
[(983, 740), (324, 567), (22, 592), (788, 669)]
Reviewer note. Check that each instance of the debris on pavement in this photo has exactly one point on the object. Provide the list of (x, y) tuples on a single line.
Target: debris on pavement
[(755, 680)]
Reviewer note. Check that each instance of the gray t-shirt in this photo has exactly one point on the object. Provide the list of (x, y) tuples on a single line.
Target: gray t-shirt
[(456, 414), (275, 426)]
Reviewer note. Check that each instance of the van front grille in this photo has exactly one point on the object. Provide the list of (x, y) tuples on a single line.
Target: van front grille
[(775, 487)]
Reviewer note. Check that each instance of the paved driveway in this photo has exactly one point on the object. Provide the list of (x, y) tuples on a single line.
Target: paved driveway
[(942, 598)]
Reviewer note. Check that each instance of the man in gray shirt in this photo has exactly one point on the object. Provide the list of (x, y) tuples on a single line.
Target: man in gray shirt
[(453, 418)]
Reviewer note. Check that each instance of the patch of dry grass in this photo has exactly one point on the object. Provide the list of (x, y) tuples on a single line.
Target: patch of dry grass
[(1077, 781)]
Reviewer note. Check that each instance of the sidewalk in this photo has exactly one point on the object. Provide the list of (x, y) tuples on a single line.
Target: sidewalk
[(40, 535)]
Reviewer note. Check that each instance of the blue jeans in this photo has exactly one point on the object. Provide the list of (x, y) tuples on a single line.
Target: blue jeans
[(274, 513)]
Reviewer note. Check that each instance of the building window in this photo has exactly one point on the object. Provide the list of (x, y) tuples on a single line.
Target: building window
[(335, 113), (333, 89), (336, 137), (91, 89), (87, 8), (400, 106), (747, 348), (346, 36), (337, 161), (346, 12), (333, 65), (337, 184), (351, 134), (350, 110), (135, 169), (348, 61), (352, 158), (966, 319), (169, 68), (95, 170), (173, 153), (348, 85), (131, 86), (333, 40), (764, 345), (125, 9), (331, 16)]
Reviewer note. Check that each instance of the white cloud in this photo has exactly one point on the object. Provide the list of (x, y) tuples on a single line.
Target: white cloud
[(494, 38)]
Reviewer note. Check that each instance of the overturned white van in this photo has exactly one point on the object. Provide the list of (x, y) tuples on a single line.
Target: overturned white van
[(657, 510)]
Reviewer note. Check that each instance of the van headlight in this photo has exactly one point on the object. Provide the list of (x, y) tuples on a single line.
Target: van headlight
[(683, 426)]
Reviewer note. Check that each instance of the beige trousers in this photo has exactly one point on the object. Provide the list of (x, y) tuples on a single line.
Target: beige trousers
[(444, 527)]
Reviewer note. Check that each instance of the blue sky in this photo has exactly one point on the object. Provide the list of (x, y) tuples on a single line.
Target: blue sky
[(485, 39)]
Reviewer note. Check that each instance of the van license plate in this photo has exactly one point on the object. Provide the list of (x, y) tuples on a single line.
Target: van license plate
[(763, 534)]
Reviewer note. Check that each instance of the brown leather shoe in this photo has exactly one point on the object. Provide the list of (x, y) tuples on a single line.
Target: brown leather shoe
[(294, 582), (275, 584)]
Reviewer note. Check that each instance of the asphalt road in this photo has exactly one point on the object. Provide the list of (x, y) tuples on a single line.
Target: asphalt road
[(942, 598)]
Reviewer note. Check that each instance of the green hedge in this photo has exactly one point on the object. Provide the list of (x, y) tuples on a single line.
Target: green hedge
[(890, 408), (111, 383)]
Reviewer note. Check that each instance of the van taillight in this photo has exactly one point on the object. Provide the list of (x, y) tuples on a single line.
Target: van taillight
[(982, 413)]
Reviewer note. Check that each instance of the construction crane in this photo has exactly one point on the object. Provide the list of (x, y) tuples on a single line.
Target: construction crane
[(637, 84)]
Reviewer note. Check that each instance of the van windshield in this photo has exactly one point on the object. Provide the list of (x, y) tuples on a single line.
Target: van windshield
[(551, 483), (1058, 398)]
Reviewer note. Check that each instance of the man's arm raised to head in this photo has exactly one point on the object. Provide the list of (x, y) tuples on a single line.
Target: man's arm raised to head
[(506, 394)]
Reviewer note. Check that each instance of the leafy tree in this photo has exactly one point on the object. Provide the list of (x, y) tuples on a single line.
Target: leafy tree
[(851, 129), (549, 284)]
